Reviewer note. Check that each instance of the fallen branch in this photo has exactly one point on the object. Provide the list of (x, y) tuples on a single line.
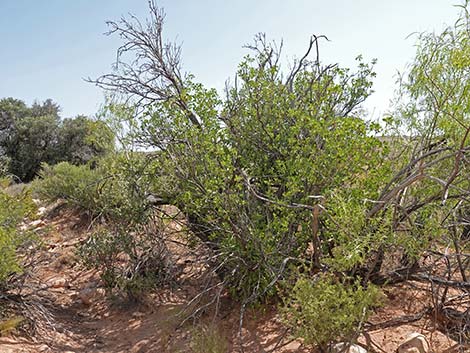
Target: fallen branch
[(402, 320)]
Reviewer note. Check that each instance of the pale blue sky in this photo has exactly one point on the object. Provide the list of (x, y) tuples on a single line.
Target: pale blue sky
[(47, 47)]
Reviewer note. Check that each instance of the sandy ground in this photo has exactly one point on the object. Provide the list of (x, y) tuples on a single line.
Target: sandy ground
[(105, 326)]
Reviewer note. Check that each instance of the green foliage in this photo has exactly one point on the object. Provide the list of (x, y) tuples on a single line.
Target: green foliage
[(4, 164), (131, 260), (353, 234), (264, 158), (82, 140), (8, 325), (77, 185), (33, 135), (324, 310), (35, 139), (13, 209), (131, 256), (111, 189), (432, 110)]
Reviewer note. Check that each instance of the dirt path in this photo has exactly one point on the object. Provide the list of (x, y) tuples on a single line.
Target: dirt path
[(83, 319)]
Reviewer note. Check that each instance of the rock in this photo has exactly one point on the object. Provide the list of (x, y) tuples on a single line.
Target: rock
[(415, 343), (90, 294), (41, 210), (44, 348), (86, 295), (37, 223), (138, 315), (59, 283), (342, 347)]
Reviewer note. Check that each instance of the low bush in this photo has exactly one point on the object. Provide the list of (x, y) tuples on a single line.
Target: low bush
[(110, 189), (13, 209), (131, 258), (325, 310), (131, 261), (77, 185)]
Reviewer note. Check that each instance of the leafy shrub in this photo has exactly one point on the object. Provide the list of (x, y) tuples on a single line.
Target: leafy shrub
[(4, 164), (77, 185), (250, 178), (111, 189), (131, 258), (249, 169), (285, 169), (13, 209), (130, 261), (324, 310)]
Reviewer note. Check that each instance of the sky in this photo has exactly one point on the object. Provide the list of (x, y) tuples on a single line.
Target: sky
[(48, 48)]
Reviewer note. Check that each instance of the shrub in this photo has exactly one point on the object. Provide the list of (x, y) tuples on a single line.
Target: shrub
[(77, 185), (249, 169), (131, 261), (324, 310), (4, 164), (13, 209), (284, 168), (111, 189)]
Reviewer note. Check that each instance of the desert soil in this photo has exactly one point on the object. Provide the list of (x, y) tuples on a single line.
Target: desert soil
[(81, 318)]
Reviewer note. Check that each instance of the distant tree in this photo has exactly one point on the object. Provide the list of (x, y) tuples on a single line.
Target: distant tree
[(81, 139), (48, 107), (30, 136), (35, 141), (11, 110)]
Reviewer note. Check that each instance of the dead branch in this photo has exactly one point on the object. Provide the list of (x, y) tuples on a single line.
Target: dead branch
[(146, 66)]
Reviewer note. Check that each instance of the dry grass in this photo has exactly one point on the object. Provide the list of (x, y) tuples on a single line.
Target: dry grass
[(208, 339), (11, 324)]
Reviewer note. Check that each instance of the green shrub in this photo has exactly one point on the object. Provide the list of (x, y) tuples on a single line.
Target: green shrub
[(131, 261), (4, 164), (111, 189), (131, 258), (77, 185), (323, 311), (13, 209)]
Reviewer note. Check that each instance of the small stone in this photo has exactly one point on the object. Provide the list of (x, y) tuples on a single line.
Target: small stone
[(37, 223), (342, 348), (86, 295), (59, 283), (138, 315), (41, 211), (44, 348), (415, 343)]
